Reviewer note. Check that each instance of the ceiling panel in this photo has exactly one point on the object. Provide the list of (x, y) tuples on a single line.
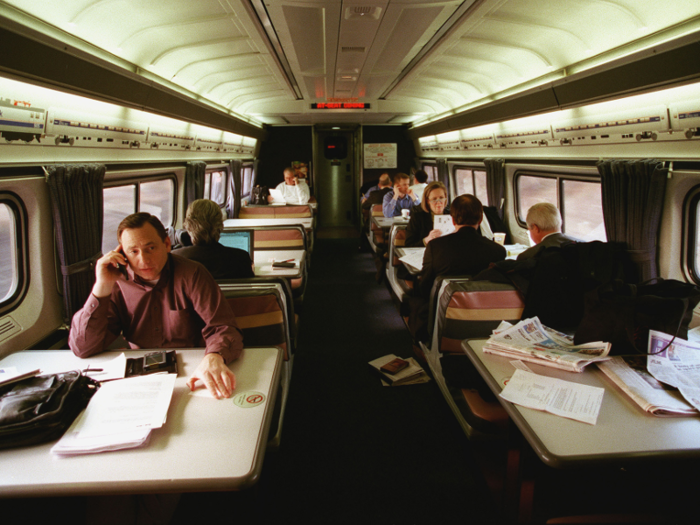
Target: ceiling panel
[(412, 60)]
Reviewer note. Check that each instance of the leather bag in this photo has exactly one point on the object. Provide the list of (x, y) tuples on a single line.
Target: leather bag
[(623, 314), (259, 195), (41, 408)]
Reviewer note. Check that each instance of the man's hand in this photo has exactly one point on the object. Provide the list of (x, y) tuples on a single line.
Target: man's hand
[(107, 272), (397, 193), (412, 194), (215, 375), (434, 234)]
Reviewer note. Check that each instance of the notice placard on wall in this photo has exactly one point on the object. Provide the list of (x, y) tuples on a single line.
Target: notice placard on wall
[(380, 156)]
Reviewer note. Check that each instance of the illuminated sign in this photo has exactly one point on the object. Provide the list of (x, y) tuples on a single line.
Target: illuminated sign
[(340, 105)]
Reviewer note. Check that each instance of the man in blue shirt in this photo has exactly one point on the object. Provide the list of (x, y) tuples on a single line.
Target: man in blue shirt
[(400, 198)]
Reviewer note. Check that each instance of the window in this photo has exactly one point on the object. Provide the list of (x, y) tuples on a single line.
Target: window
[(13, 271), (473, 181), (693, 234), (215, 186), (156, 197), (431, 170), (578, 199), (246, 179)]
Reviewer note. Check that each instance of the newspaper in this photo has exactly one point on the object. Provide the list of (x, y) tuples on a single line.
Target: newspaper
[(630, 374), (530, 340), (677, 365), (413, 257), (444, 224)]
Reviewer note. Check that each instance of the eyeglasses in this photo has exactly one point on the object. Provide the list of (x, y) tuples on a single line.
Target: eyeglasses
[(439, 199)]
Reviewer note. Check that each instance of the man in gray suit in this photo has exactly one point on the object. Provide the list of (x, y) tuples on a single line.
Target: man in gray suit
[(544, 224)]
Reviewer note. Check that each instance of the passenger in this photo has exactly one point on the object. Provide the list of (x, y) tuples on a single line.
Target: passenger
[(400, 198), (464, 252), (420, 231), (544, 224), (164, 301), (204, 223), (367, 193), (376, 196), (294, 190), (421, 178)]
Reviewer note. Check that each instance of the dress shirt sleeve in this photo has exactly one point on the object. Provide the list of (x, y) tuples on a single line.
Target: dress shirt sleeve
[(303, 192), (388, 205), (93, 327), (221, 334)]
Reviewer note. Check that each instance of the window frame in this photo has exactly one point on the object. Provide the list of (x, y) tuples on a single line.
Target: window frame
[(19, 211), (433, 167), (244, 166), (226, 169), (560, 175), (690, 232), (453, 178)]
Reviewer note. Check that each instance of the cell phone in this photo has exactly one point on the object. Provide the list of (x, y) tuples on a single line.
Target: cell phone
[(283, 264), (121, 267), (153, 360)]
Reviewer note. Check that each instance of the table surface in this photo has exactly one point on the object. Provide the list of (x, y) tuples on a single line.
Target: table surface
[(307, 222), (205, 444), (387, 222), (263, 264), (623, 432)]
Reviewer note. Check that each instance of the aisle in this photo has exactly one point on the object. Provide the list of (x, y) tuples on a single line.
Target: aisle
[(352, 450)]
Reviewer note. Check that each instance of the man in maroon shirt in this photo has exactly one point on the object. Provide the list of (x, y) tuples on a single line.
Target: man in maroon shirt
[(162, 301)]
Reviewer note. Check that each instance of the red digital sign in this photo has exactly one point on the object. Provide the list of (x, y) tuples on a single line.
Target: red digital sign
[(340, 105)]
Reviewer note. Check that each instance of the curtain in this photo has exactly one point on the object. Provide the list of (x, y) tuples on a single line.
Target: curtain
[(443, 173), (233, 203), (194, 181), (496, 183), (633, 196), (77, 206)]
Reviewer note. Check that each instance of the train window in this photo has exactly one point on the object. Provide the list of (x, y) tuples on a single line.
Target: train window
[(431, 170), (215, 186), (693, 234), (155, 197), (468, 180), (13, 270), (247, 179), (8, 253), (578, 199)]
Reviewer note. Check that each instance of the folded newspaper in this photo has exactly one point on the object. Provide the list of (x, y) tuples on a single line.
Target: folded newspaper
[(530, 340)]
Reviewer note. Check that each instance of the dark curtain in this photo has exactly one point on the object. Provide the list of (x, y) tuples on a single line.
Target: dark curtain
[(233, 203), (443, 173), (194, 181), (496, 183), (77, 205), (633, 196)]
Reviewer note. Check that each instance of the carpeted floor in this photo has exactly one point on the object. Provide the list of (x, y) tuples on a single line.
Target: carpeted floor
[(352, 450)]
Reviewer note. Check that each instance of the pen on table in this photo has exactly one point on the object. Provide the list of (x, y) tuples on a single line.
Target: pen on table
[(88, 369)]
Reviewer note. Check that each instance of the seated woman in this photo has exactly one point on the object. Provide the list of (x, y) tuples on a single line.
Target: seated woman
[(204, 222), (420, 231)]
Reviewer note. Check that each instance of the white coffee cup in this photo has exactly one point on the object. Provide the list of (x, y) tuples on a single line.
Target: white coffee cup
[(500, 238), (405, 213)]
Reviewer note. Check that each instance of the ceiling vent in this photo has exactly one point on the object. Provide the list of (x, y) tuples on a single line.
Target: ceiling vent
[(359, 12)]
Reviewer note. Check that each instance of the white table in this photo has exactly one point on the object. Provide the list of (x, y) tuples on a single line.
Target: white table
[(306, 222), (205, 445), (623, 433), (263, 264)]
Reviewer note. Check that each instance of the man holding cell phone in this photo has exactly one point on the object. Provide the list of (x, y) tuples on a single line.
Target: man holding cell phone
[(166, 302)]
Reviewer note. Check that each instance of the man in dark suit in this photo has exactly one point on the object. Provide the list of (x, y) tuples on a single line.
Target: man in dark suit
[(544, 224), (464, 252)]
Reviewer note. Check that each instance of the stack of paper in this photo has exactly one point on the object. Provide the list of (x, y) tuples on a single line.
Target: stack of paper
[(120, 415), (411, 375)]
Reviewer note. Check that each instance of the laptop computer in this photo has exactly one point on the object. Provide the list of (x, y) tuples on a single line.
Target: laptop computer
[(241, 239)]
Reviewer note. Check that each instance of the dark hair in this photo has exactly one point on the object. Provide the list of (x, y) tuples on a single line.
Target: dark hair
[(421, 176), (138, 220), (466, 210)]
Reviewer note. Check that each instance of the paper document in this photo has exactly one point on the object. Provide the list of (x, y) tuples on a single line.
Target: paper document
[(444, 224), (413, 257), (135, 403), (277, 196), (678, 365), (107, 370), (555, 396)]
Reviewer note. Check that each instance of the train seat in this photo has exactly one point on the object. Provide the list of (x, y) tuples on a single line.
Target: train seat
[(462, 309), (275, 212), (395, 270), (266, 318)]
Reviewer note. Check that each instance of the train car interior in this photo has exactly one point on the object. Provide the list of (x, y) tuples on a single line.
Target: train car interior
[(112, 107)]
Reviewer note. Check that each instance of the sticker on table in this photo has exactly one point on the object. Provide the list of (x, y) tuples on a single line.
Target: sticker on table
[(249, 399)]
